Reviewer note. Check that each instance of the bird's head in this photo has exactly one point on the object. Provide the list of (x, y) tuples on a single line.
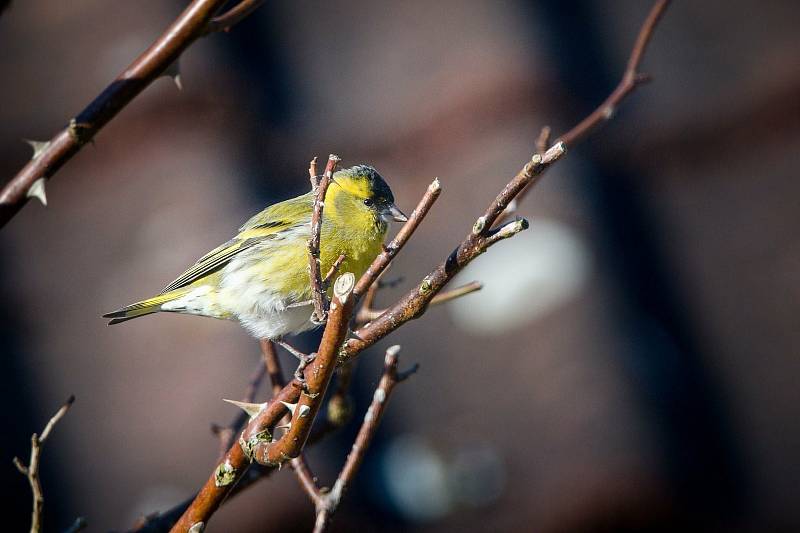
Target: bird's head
[(368, 187)]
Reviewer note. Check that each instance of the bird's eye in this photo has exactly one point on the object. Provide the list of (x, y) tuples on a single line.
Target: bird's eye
[(369, 201)]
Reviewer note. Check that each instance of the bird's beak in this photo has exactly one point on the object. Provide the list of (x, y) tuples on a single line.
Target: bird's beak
[(393, 212)]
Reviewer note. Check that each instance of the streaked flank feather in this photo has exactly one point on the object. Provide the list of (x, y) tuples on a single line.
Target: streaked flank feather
[(260, 277)]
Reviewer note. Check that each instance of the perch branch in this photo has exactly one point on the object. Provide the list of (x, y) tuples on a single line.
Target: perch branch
[(317, 287), (299, 464), (32, 470), (327, 503), (318, 376), (412, 305)]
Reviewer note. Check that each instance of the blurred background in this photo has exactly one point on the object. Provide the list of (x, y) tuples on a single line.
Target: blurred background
[(631, 365)]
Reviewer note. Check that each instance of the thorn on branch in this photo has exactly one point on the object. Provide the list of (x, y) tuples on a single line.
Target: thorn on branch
[(174, 72), (252, 409), (38, 147), (37, 191)]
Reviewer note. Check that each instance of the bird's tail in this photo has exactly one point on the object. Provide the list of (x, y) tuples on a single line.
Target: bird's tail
[(145, 307)]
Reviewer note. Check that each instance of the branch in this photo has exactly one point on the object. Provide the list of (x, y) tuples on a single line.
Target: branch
[(233, 16), (299, 464), (303, 399), (32, 470), (318, 293), (318, 376), (367, 312), (159, 59), (415, 302), (631, 79), (327, 504)]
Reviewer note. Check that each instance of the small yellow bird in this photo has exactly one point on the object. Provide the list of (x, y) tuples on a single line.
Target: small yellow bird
[(260, 277)]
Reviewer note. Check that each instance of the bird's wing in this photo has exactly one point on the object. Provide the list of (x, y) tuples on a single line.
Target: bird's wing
[(266, 225)]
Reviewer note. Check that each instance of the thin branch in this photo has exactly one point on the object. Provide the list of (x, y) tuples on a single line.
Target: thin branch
[(273, 365), (458, 292), (631, 79), (317, 288), (367, 313), (415, 302), (312, 174), (32, 470), (333, 270), (329, 502), (543, 141), (233, 16), (152, 63)]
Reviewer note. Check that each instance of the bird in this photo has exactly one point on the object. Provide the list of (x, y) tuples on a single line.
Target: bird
[(260, 278)]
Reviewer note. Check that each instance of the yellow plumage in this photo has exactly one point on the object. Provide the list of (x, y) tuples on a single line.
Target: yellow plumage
[(260, 277)]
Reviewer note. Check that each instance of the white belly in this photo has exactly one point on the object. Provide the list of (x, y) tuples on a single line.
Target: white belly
[(260, 309)]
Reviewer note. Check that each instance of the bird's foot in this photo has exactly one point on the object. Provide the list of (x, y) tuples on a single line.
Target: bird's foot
[(299, 373)]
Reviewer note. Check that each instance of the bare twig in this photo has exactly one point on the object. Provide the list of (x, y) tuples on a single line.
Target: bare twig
[(159, 59), (333, 270), (414, 303), (543, 141), (327, 503), (368, 313), (32, 470), (312, 174), (317, 288), (233, 16), (272, 365), (631, 79)]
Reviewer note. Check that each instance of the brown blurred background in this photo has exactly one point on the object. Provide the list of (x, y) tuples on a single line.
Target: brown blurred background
[(632, 364)]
